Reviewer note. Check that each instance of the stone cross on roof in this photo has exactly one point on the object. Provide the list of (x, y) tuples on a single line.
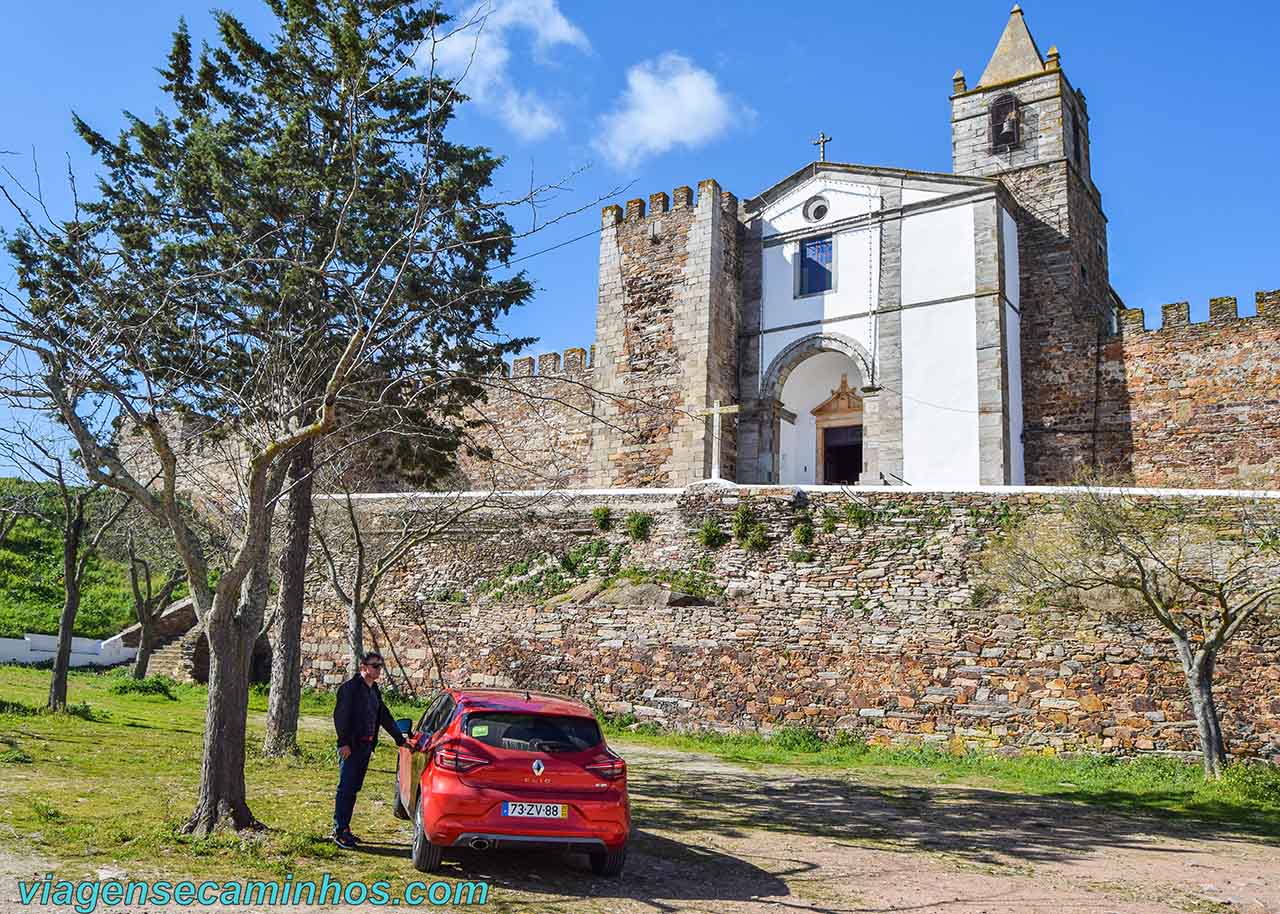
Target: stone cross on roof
[(821, 142)]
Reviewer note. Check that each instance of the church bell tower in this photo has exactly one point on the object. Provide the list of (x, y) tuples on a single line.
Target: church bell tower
[(1025, 125)]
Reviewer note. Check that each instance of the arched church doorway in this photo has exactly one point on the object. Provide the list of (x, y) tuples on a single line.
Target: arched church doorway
[(820, 440)]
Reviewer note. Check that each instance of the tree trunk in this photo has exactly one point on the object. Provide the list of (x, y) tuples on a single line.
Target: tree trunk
[(232, 636), (70, 606), (286, 642), (1198, 667), (222, 799), (355, 636), (146, 640)]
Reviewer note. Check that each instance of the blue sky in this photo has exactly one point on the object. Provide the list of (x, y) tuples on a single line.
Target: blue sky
[(655, 95)]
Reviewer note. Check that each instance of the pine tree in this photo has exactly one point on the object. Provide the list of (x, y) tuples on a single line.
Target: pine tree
[(291, 249)]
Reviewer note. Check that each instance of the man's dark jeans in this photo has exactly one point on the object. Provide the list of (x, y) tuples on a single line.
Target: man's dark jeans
[(350, 779)]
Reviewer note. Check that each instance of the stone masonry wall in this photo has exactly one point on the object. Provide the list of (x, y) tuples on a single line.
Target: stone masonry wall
[(1194, 402), (666, 330), (534, 428), (880, 626)]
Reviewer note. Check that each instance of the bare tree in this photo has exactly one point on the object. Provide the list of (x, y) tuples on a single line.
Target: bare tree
[(155, 574), (365, 538), (79, 511), (1199, 572), (255, 277)]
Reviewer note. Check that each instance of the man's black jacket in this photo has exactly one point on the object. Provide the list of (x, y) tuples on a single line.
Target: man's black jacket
[(358, 713)]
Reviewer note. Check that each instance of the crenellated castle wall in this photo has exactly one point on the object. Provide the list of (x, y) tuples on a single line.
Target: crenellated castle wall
[(666, 336), (534, 429), (1194, 402)]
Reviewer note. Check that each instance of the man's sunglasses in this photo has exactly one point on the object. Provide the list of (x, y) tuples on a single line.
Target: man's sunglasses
[(374, 666)]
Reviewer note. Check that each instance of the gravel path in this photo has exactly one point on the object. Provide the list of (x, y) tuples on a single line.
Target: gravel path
[(718, 837)]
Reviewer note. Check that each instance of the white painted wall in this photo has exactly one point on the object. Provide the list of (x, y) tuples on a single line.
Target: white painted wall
[(940, 395), (1012, 278), (857, 268), (1013, 347), (938, 259), (1017, 460), (84, 651), (806, 388), (939, 278)]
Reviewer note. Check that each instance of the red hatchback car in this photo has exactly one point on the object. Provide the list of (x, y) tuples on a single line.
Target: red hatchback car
[(497, 768)]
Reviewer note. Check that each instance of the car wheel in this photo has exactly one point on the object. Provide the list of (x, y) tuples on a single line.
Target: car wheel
[(397, 808), (426, 856), (609, 862)]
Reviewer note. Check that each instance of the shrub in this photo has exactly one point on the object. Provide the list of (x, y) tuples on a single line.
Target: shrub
[(744, 518), (982, 596), (710, 534), (803, 533), (801, 556), (860, 515), (603, 517), (829, 520), (757, 538), (84, 712), (639, 525), (15, 757), (850, 741), (151, 685), (17, 709), (797, 739), (1253, 782)]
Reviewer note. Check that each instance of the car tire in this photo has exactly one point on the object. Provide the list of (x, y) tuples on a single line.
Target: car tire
[(426, 856), (609, 862), (397, 808)]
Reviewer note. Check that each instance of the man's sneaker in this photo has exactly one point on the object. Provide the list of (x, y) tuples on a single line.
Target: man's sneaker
[(344, 839), (354, 837)]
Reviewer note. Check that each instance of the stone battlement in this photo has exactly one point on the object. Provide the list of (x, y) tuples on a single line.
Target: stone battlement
[(1178, 314), (659, 203), (576, 360)]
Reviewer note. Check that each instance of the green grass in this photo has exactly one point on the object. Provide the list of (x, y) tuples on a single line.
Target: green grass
[(113, 783), (1248, 796), (31, 588)]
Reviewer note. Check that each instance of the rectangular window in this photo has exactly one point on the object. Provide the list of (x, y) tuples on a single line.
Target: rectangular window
[(533, 732), (815, 265)]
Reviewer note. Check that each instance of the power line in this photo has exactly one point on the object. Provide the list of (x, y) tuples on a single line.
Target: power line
[(554, 247)]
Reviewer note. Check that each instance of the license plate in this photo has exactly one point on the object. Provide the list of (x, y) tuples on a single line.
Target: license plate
[(536, 810)]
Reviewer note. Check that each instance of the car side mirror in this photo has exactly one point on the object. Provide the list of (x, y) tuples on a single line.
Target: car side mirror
[(404, 725)]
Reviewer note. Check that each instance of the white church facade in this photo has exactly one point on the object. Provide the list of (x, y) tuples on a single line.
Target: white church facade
[(858, 324), (822, 265)]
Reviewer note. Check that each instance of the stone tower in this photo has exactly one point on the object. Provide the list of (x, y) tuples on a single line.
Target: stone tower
[(666, 338), (1025, 125)]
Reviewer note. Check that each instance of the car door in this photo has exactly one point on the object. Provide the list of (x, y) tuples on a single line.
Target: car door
[(417, 753), (408, 767)]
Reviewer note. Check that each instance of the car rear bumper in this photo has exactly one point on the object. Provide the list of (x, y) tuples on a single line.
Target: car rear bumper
[(484, 841), (456, 815)]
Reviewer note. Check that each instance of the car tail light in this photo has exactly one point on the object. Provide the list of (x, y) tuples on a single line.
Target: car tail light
[(453, 760), (610, 767)]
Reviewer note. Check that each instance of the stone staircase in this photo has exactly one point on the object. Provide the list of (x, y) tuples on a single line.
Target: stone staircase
[(168, 658)]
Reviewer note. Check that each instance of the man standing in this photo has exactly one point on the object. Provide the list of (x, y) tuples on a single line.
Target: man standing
[(356, 717)]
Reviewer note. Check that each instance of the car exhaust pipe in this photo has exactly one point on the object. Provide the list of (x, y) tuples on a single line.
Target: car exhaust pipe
[(481, 844)]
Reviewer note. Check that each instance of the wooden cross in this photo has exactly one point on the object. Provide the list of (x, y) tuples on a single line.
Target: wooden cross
[(715, 412), (821, 142)]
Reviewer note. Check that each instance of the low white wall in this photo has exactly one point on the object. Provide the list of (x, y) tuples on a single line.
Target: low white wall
[(84, 651)]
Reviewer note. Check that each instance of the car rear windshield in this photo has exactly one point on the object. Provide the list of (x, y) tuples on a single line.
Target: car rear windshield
[(532, 732)]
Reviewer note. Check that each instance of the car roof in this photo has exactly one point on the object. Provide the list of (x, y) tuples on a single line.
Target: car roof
[(519, 701)]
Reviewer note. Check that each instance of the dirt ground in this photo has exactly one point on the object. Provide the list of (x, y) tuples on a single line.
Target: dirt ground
[(716, 837)]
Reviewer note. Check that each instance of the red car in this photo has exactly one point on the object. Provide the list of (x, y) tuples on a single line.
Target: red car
[(498, 768)]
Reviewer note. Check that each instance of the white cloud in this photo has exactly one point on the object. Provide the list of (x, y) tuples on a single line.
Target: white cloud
[(478, 50), (668, 102)]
